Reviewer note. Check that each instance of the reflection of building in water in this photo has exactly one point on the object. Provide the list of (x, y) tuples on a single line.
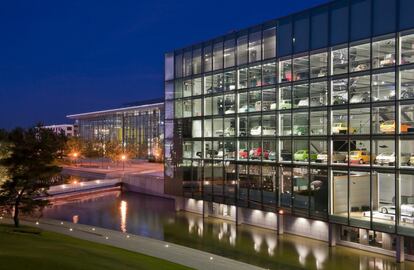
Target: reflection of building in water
[(123, 208)]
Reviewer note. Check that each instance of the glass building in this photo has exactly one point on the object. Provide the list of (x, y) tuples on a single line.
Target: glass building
[(310, 115), (139, 125)]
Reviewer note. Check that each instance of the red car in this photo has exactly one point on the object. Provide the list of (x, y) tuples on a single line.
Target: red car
[(243, 154), (257, 153)]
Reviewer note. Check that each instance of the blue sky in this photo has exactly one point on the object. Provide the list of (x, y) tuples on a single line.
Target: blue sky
[(65, 57)]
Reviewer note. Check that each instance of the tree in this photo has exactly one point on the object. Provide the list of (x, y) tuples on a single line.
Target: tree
[(113, 150), (4, 153), (30, 166)]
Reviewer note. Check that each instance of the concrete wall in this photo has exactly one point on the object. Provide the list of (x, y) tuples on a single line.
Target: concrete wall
[(258, 218), (148, 184), (223, 211), (192, 205), (306, 227)]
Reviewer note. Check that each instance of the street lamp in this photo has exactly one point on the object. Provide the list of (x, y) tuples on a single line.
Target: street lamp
[(123, 158), (75, 157)]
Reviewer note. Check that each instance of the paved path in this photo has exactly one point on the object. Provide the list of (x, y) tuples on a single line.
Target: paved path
[(171, 252)]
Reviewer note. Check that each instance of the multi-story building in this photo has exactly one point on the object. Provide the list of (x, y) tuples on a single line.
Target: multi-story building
[(139, 125), (67, 129), (304, 123)]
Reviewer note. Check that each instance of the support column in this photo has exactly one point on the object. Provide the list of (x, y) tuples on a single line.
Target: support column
[(205, 209), (179, 203), (363, 236), (332, 231), (400, 256), (280, 227), (239, 215)]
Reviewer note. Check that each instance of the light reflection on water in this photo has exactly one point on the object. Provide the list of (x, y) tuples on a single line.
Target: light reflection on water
[(156, 217)]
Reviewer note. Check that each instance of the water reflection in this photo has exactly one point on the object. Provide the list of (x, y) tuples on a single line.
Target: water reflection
[(123, 212), (156, 218)]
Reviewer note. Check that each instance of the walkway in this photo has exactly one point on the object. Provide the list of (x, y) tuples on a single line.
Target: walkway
[(171, 252)]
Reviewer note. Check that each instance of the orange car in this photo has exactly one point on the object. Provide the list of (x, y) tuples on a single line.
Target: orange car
[(389, 127)]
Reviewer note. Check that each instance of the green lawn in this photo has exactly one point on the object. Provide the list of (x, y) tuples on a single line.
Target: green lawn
[(30, 248)]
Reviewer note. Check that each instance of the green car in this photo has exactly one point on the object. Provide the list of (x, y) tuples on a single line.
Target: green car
[(303, 155), (285, 105)]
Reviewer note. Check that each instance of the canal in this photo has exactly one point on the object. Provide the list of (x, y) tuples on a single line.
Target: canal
[(156, 218)]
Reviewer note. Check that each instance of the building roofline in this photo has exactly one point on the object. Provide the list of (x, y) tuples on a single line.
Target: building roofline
[(269, 21), (117, 110)]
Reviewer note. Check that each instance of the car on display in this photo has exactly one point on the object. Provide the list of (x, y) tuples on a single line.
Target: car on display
[(305, 102), (411, 160), (406, 93), (243, 154), (286, 155), (247, 108), (259, 130), (336, 157), (272, 155), (262, 105), (361, 67), (285, 105), (300, 130), (340, 99), (230, 110), (360, 98), (229, 131), (389, 127), (303, 155), (342, 128), (405, 209), (360, 157), (258, 152), (388, 158)]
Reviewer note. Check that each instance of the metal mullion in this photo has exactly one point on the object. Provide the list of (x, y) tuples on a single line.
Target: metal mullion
[(397, 138)]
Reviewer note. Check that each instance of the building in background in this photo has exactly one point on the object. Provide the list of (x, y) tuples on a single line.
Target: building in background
[(67, 129), (304, 123), (139, 126)]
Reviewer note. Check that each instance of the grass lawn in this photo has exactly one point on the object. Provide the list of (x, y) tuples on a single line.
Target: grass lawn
[(31, 248)]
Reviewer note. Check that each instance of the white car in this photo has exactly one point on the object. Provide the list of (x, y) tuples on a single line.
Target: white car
[(385, 159), (246, 108), (388, 158), (267, 131), (304, 102), (229, 131), (230, 111), (406, 209)]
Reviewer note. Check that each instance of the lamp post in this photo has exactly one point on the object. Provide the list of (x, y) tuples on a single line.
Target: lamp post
[(75, 157), (123, 158)]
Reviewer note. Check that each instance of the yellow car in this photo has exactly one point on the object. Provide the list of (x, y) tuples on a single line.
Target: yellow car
[(341, 128), (389, 127), (360, 157)]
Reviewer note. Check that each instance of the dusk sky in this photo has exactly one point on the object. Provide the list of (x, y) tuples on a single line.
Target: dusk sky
[(65, 57)]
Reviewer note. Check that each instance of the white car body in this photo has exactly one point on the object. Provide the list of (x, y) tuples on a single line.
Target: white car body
[(385, 159), (230, 111), (273, 106), (406, 209), (303, 102), (229, 131), (267, 131)]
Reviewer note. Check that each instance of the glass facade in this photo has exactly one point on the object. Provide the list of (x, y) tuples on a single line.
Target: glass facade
[(325, 132), (139, 127)]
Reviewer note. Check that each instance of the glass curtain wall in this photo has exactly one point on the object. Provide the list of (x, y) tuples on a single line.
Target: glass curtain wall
[(326, 134)]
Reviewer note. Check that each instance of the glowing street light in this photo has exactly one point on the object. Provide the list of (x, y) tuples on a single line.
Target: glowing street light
[(123, 158), (75, 157)]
